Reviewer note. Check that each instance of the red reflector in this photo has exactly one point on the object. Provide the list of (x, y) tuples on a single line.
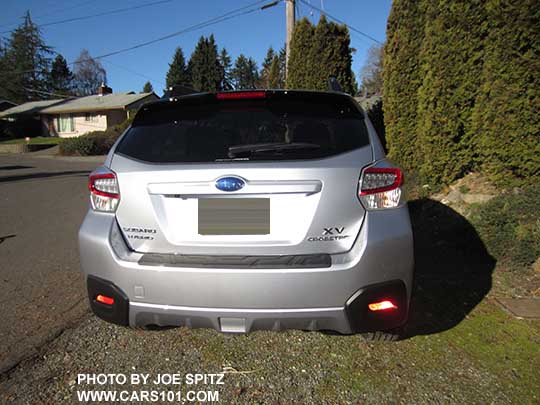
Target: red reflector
[(241, 95), (382, 305), (104, 299)]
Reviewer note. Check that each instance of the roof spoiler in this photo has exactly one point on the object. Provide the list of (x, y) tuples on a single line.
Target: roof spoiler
[(179, 90), (333, 84)]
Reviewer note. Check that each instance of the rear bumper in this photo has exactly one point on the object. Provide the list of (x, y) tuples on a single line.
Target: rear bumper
[(242, 300)]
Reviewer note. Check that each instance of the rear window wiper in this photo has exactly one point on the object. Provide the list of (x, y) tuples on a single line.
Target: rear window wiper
[(234, 151)]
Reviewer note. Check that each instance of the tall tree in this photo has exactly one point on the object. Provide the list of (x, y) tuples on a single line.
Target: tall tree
[(226, 65), (147, 88), (506, 118), (451, 61), (204, 66), (61, 78), (28, 60), (245, 73), (282, 58), (89, 74), (299, 69), (274, 74), (402, 79), (318, 53), (178, 72), (265, 69), (371, 73)]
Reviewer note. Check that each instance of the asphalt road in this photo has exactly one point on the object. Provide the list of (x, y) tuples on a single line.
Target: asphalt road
[(42, 203)]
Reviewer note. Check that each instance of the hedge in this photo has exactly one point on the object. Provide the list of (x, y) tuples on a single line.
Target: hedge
[(93, 143), (461, 89)]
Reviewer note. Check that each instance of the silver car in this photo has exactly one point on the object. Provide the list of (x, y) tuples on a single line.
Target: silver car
[(250, 210)]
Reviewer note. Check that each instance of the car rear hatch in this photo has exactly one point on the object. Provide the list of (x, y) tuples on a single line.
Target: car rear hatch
[(251, 173)]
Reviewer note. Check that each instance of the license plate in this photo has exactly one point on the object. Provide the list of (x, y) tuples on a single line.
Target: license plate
[(234, 216)]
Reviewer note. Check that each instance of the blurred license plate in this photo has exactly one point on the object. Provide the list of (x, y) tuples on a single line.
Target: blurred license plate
[(234, 216)]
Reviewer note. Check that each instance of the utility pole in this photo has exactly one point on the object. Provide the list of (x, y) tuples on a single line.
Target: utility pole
[(290, 6)]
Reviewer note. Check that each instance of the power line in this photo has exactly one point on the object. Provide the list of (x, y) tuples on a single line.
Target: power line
[(224, 17), (341, 22), (84, 3), (86, 17)]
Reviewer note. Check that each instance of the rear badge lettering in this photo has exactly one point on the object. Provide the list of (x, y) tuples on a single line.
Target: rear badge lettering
[(139, 233), (329, 235), (327, 238)]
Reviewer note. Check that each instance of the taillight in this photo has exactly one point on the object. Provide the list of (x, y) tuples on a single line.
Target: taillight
[(104, 191), (380, 188)]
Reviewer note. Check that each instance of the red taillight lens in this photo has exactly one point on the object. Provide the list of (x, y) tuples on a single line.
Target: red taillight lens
[(241, 95), (105, 300), (104, 191), (382, 306), (380, 187), (379, 179)]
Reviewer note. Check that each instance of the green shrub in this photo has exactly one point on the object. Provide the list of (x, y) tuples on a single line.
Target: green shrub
[(93, 143), (510, 226)]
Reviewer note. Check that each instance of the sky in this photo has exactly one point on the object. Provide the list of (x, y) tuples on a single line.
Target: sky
[(250, 34)]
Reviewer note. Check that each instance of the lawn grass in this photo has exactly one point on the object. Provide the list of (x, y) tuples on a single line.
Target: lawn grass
[(39, 140)]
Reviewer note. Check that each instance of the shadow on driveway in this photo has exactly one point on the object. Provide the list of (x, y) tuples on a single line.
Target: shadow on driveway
[(44, 175), (453, 268)]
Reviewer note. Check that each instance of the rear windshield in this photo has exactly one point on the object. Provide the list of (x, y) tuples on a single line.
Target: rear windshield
[(244, 130)]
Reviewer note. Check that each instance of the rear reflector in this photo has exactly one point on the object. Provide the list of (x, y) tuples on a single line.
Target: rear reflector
[(105, 300), (382, 305), (241, 95)]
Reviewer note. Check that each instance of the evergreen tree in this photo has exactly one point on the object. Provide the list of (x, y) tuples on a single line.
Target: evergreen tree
[(204, 66), (451, 59), (61, 78), (402, 79), (226, 66), (506, 117), (147, 88), (282, 58), (245, 73), (27, 59), (89, 74), (4, 69), (300, 67), (274, 74), (265, 70), (318, 53), (178, 73)]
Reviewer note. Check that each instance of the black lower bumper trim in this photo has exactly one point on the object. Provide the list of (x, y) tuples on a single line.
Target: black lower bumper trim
[(362, 320), (118, 312), (238, 262)]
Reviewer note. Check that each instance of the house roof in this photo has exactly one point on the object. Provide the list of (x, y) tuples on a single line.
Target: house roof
[(78, 104), (32, 107)]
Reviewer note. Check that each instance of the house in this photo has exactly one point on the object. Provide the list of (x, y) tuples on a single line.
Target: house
[(76, 116)]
